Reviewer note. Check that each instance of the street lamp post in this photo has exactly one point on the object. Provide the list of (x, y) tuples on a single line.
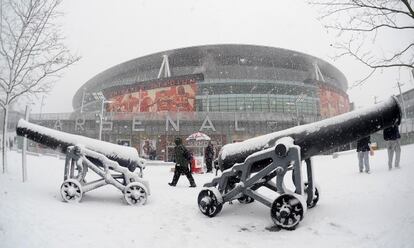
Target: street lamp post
[(98, 96), (206, 92), (24, 148), (101, 117), (83, 100), (300, 98), (297, 111)]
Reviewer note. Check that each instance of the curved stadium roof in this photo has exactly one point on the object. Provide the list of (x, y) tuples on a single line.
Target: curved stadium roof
[(218, 62)]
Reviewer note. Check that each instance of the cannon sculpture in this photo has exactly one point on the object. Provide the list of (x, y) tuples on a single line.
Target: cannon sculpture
[(117, 165), (253, 163)]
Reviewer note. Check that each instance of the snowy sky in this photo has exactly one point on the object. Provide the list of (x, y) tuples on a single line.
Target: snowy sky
[(108, 32)]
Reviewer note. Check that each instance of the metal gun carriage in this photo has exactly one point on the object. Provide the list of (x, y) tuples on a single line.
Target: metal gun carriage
[(116, 165), (254, 163)]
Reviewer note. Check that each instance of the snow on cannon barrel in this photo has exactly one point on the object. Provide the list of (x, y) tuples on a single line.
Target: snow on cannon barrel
[(57, 140), (249, 165), (321, 136), (117, 165)]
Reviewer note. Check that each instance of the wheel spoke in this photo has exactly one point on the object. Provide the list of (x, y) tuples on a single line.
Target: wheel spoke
[(208, 203), (135, 194), (287, 211), (71, 190), (210, 209)]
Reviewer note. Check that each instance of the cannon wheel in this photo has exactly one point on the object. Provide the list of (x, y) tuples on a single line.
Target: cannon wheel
[(245, 199), (209, 202), (135, 194), (71, 190), (287, 211), (315, 199)]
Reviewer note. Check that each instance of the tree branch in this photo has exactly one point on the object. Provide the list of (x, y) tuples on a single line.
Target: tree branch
[(358, 25), (32, 53), (371, 29), (359, 5), (399, 53), (371, 65), (408, 5), (361, 81)]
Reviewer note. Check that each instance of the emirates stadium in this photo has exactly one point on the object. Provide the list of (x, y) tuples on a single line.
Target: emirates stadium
[(229, 92)]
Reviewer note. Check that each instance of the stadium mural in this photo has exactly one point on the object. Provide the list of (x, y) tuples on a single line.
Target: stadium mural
[(169, 95), (332, 102)]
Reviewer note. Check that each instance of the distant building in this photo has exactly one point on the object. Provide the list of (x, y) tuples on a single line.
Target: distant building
[(408, 97), (407, 125), (230, 92)]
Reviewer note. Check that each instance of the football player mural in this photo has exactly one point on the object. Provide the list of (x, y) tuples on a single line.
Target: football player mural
[(172, 94)]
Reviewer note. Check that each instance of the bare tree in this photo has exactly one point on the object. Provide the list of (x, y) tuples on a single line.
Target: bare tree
[(362, 25), (32, 52)]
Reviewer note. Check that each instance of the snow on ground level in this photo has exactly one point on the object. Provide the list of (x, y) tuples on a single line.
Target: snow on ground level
[(355, 210)]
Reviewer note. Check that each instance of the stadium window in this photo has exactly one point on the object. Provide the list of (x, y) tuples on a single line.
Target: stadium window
[(223, 103), (248, 101), (232, 103), (199, 104), (273, 106), (240, 103), (214, 107)]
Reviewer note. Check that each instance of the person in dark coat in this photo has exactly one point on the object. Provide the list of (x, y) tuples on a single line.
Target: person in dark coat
[(182, 159), (392, 136), (209, 156), (363, 149)]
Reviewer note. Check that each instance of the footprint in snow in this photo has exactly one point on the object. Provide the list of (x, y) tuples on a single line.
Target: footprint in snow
[(273, 228), (244, 229)]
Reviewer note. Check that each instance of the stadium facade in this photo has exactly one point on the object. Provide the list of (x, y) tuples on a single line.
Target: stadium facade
[(230, 92)]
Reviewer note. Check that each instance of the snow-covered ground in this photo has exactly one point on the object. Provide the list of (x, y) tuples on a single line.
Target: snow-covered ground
[(355, 210)]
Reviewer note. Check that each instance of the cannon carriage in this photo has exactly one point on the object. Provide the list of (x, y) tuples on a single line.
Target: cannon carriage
[(115, 165), (252, 164)]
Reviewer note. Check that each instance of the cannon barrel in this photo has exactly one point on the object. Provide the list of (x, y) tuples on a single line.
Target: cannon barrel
[(60, 141), (318, 137)]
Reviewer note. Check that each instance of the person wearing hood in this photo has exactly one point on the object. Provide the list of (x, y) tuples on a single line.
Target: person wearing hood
[(182, 158)]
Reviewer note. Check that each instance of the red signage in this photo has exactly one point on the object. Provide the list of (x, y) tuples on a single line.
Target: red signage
[(169, 94), (332, 101)]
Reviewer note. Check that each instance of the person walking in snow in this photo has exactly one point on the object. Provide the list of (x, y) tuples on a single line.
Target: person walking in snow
[(182, 159), (392, 136), (363, 150), (209, 156)]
